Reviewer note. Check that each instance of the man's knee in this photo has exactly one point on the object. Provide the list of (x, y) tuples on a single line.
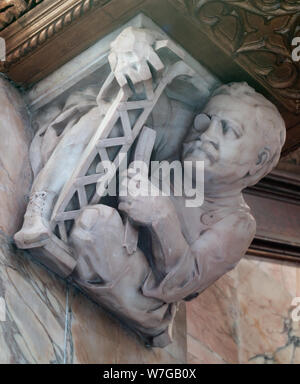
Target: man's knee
[(97, 242), (99, 217)]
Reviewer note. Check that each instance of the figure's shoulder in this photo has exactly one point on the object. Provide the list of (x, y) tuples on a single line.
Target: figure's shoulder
[(245, 217), (240, 221)]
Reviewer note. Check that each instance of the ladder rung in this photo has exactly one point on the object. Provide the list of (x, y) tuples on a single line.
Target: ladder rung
[(104, 143), (90, 179)]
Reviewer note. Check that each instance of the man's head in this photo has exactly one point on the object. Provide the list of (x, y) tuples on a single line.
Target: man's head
[(239, 137)]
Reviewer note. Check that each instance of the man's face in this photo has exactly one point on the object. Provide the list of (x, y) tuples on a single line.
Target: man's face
[(226, 137)]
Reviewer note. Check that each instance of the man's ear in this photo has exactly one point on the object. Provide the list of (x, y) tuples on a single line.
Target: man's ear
[(262, 159)]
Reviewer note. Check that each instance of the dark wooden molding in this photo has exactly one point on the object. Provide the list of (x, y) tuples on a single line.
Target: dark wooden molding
[(53, 33), (11, 10), (265, 254), (292, 142), (266, 249), (275, 203), (60, 15), (278, 185)]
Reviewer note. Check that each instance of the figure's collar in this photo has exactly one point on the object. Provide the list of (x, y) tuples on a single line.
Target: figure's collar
[(216, 208), (220, 201)]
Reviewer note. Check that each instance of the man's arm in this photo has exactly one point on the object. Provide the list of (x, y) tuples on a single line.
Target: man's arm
[(187, 269), (191, 269)]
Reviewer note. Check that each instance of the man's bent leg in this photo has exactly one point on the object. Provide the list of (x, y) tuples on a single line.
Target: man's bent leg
[(113, 278), (51, 179)]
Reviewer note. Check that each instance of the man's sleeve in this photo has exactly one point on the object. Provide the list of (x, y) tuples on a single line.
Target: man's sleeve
[(215, 253)]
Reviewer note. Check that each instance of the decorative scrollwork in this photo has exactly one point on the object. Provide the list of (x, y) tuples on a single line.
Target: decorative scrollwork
[(258, 34), (11, 10)]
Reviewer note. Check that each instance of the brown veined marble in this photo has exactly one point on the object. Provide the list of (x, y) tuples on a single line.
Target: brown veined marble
[(35, 310), (200, 354), (245, 317), (36, 330), (212, 320), (95, 338), (15, 170), (33, 331)]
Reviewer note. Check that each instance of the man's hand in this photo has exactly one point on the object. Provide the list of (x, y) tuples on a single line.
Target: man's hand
[(132, 53), (141, 207)]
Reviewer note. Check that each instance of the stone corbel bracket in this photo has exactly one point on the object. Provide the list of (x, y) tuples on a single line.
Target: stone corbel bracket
[(90, 67)]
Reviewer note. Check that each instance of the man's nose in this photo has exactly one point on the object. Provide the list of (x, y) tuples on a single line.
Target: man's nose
[(212, 133)]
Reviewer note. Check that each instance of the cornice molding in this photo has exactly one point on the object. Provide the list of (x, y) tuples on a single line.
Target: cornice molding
[(264, 249), (278, 185), (11, 10), (42, 24), (54, 32), (284, 187)]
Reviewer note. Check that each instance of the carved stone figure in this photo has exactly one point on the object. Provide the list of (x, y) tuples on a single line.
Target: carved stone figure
[(181, 250)]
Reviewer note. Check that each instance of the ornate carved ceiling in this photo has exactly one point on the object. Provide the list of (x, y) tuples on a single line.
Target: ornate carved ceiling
[(236, 39), (258, 34)]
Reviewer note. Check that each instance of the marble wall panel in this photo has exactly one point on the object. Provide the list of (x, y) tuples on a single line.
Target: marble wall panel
[(15, 170), (94, 337), (212, 320), (245, 317), (48, 321), (35, 310)]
